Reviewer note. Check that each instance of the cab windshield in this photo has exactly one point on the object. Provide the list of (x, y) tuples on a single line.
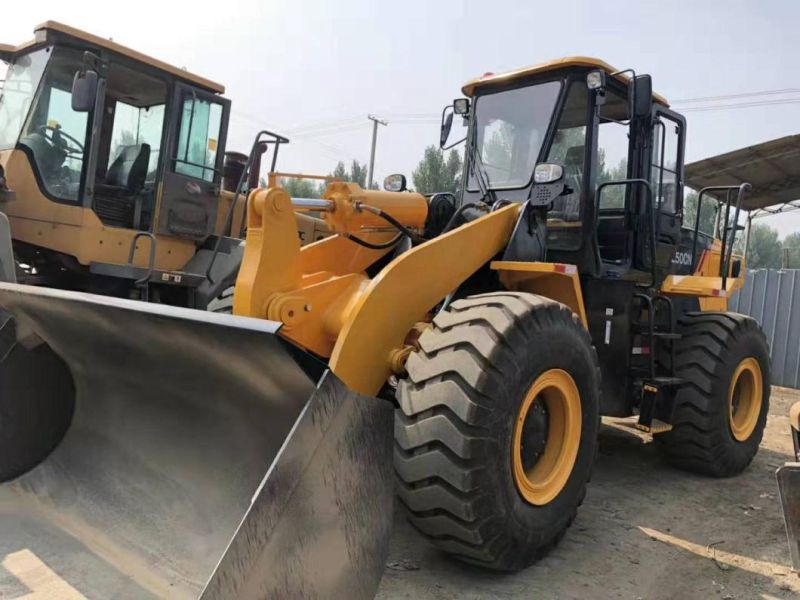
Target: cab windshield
[(510, 128), (36, 116), (17, 93)]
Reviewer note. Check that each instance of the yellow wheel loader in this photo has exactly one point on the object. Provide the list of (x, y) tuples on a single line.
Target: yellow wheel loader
[(114, 175), (475, 339)]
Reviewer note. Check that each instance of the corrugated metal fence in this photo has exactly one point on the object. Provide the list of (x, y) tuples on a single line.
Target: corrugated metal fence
[(773, 299)]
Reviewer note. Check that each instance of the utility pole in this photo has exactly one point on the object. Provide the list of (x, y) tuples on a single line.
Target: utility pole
[(375, 122)]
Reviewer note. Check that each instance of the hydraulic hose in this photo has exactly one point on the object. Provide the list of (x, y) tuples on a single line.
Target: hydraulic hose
[(383, 246), (454, 219), (393, 222)]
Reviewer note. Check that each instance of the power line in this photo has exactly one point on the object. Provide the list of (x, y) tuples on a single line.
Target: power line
[(332, 150), (786, 101), (413, 115), (416, 122), (734, 96), (329, 131), (324, 124), (338, 150)]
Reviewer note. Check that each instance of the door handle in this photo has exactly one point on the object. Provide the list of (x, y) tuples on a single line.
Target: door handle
[(193, 189)]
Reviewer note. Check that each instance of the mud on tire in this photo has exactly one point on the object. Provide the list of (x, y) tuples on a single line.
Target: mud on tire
[(454, 428)]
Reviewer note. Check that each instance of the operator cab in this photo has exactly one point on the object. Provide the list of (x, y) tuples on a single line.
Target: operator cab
[(155, 161), (603, 129)]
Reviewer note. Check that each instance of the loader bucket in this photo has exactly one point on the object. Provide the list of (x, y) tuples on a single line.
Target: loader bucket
[(789, 492), (152, 451), (789, 489)]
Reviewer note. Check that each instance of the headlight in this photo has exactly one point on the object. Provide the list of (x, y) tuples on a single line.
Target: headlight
[(461, 106), (547, 173), (596, 80)]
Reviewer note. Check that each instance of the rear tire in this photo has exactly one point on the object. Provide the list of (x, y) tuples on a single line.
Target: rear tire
[(720, 415), (460, 407)]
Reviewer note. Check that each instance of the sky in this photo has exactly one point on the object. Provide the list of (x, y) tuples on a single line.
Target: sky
[(313, 69)]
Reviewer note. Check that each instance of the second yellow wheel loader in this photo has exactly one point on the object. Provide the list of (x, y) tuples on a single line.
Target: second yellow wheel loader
[(114, 175), (158, 450)]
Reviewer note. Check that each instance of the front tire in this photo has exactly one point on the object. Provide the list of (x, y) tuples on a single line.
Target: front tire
[(496, 433), (719, 417)]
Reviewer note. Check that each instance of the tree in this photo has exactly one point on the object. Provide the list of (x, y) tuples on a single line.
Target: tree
[(435, 174), (300, 188), (765, 249), (613, 196), (791, 248), (707, 215), (339, 172), (356, 174), (497, 151), (453, 167)]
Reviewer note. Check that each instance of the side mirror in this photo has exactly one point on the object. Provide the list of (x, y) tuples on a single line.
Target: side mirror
[(640, 96), (395, 183), (84, 90), (447, 125)]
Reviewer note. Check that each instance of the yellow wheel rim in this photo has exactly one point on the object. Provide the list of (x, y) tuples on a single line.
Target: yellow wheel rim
[(541, 478), (744, 399)]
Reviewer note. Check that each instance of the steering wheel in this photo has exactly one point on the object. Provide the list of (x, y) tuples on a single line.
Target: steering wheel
[(74, 148)]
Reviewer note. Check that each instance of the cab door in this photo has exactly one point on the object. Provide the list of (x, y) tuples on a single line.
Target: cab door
[(189, 196), (666, 172)]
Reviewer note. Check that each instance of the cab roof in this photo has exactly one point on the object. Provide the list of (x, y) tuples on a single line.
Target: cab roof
[(47, 31), (471, 86)]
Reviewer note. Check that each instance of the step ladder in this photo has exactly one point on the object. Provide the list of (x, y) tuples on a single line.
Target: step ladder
[(656, 381)]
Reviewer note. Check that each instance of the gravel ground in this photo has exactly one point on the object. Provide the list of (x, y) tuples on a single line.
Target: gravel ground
[(644, 531)]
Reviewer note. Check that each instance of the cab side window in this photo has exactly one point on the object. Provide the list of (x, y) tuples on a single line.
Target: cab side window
[(565, 218), (569, 149), (201, 121), (129, 148), (613, 141), (664, 168), (138, 126), (55, 134)]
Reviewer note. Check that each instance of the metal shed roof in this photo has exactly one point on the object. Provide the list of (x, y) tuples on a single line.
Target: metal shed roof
[(772, 168)]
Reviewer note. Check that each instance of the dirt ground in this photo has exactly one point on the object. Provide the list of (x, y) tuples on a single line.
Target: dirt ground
[(644, 531)]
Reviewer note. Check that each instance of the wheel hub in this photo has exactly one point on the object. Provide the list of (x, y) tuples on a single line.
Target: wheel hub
[(547, 435), (745, 397), (534, 434)]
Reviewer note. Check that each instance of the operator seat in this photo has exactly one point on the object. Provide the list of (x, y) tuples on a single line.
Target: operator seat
[(128, 171), (568, 207), (117, 198)]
